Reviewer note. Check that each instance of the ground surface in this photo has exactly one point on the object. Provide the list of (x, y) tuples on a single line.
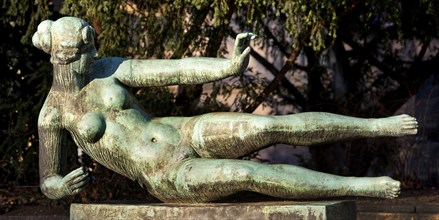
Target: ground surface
[(28, 201)]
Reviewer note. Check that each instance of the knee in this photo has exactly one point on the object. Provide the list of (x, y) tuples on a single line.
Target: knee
[(242, 172), (261, 121)]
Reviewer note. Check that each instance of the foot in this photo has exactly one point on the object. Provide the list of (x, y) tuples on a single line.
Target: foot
[(397, 126), (393, 190), (379, 187)]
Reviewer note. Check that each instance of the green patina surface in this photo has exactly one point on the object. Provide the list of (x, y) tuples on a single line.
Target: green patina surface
[(182, 159), (263, 210)]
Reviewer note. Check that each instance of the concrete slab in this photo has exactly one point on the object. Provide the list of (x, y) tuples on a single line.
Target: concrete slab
[(387, 208), (320, 210), (397, 211), (427, 208), (398, 216)]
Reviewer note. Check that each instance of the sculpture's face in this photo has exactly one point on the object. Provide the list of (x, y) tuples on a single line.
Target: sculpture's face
[(72, 42), (74, 51)]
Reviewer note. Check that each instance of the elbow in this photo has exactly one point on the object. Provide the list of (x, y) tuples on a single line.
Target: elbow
[(48, 193), (50, 188)]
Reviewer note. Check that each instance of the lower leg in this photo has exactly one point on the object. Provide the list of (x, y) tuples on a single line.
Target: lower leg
[(319, 127), (289, 181)]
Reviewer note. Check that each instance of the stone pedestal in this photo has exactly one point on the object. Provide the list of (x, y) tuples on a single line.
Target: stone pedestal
[(256, 210)]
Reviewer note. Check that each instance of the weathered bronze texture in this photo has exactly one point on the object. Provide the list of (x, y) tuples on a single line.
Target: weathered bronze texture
[(182, 159), (316, 210)]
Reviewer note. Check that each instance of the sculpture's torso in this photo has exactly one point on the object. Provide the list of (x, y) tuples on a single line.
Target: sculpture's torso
[(111, 127)]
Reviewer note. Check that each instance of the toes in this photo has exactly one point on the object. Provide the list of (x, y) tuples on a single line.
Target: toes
[(393, 189), (393, 184), (410, 129), (411, 124), (407, 119), (407, 124), (391, 194)]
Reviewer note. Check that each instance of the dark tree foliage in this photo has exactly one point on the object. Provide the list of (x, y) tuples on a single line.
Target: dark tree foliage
[(26, 79), (360, 35)]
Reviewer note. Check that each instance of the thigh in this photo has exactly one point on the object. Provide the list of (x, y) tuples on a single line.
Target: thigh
[(226, 135), (201, 180)]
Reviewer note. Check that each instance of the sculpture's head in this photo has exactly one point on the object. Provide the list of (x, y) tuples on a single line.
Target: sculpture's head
[(67, 40)]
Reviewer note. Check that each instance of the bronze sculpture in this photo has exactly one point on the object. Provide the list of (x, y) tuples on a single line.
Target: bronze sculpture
[(182, 159)]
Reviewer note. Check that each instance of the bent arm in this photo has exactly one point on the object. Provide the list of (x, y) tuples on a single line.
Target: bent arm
[(53, 185), (50, 161)]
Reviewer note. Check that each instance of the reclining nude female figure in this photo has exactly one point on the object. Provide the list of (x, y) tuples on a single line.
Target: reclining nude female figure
[(182, 159)]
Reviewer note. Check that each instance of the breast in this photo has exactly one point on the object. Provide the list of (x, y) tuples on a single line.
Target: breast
[(115, 96), (91, 127)]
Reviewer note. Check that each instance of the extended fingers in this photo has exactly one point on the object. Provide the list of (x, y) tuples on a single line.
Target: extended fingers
[(251, 36), (77, 186), (243, 39), (245, 54), (76, 180), (75, 173), (248, 35), (85, 176)]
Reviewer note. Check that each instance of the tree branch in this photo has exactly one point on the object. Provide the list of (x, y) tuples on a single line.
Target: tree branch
[(190, 34), (277, 79), (300, 100)]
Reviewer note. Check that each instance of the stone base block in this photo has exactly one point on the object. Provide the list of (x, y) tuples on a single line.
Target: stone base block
[(256, 210)]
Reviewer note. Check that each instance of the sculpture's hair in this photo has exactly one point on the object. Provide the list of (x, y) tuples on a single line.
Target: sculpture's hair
[(42, 39), (82, 33), (88, 34)]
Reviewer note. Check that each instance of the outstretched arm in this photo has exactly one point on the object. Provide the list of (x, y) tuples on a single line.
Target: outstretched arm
[(140, 73)]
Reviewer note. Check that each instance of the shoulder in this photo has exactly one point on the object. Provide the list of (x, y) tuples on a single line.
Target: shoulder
[(50, 116), (107, 67)]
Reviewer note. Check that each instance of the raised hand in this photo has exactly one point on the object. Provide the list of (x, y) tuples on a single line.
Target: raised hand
[(241, 53), (242, 43)]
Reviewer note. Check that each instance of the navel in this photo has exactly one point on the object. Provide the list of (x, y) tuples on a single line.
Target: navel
[(91, 127)]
